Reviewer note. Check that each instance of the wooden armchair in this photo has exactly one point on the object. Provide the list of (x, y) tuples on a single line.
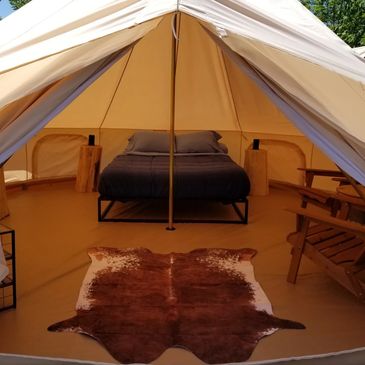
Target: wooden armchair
[(335, 244), (310, 174)]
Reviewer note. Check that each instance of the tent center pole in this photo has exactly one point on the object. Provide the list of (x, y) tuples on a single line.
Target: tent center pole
[(174, 44)]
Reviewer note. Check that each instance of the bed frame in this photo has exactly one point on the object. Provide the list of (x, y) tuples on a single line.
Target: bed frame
[(103, 213)]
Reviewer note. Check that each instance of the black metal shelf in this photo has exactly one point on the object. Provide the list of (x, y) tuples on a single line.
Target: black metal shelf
[(8, 255), (8, 284)]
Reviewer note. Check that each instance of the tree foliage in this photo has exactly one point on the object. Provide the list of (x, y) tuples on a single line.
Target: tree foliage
[(345, 17), (16, 4)]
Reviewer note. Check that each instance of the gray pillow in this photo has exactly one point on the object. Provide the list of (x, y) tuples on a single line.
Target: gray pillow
[(146, 141), (200, 142)]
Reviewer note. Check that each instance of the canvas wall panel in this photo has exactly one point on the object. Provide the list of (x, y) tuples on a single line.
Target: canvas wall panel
[(90, 108), (285, 155), (15, 168), (203, 95), (256, 112), (48, 165), (142, 98), (62, 149)]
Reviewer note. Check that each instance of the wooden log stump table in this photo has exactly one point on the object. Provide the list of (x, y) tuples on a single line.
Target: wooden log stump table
[(256, 168), (88, 169)]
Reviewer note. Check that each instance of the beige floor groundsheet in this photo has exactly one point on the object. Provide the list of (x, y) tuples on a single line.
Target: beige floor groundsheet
[(55, 226)]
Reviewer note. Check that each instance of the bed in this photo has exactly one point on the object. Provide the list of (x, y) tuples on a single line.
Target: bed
[(202, 171)]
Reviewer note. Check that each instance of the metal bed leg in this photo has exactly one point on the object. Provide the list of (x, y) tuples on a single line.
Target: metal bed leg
[(244, 218), (102, 215), (238, 212), (99, 210), (246, 212)]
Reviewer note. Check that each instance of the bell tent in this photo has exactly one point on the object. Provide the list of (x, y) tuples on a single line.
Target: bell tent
[(248, 69)]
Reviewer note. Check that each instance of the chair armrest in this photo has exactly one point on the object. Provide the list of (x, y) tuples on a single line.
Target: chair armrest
[(348, 226), (341, 180), (322, 172), (322, 196)]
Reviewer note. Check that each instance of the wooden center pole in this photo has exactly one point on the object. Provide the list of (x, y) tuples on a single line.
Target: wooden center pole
[(174, 43)]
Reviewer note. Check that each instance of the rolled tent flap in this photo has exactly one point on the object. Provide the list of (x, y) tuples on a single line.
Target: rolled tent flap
[(345, 150), (38, 109), (285, 25), (31, 77)]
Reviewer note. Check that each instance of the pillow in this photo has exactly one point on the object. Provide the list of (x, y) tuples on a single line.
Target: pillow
[(146, 141), (200, 142)]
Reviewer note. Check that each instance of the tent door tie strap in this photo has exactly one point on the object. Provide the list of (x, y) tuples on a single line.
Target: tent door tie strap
[(173, 22)]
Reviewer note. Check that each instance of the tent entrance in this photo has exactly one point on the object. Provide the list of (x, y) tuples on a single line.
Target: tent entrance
[(211, 93)]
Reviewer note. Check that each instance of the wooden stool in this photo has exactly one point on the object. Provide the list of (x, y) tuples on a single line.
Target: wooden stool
[(88, 169), (256, 168), (4, 209)]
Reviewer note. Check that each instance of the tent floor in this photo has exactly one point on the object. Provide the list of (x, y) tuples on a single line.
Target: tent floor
[(55, 225)]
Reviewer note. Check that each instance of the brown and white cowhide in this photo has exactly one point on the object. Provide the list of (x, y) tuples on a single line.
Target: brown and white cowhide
[(138, 304)]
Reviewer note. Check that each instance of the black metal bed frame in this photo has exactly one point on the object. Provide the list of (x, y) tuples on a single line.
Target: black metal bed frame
[(102, 214)]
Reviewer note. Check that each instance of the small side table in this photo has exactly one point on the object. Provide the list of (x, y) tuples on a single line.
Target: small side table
[(88, 169), (256, 168), (8, 284)]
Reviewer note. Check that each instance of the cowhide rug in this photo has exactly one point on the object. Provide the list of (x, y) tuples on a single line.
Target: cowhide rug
[(138, 304)]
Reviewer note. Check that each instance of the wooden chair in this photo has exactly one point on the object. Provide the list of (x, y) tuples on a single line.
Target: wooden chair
[(326, 200), (310, 174), (335, 244)]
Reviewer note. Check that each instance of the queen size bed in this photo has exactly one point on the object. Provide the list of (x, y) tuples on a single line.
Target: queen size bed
[(202, 171)]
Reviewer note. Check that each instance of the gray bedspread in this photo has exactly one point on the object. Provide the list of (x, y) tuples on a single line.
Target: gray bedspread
[(196, 177)]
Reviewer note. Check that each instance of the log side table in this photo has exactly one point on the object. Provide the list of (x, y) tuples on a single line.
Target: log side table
[(88, 169), (256, 168)]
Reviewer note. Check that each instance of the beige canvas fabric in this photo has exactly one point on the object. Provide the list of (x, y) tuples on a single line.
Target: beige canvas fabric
[(211, 92), (62, 149), (282, 40), (360, 51)]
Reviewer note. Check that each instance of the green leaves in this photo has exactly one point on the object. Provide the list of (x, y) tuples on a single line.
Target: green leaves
[(345, 17), (16, 4)]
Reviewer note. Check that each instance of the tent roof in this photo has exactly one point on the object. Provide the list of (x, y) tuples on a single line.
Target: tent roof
[(45, 49), (284, 24)]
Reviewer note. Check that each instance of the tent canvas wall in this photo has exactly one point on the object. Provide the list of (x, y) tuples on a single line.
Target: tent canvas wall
[(244, 68)]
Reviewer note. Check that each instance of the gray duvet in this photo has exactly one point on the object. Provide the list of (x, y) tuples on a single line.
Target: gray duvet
[(213, 177)]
